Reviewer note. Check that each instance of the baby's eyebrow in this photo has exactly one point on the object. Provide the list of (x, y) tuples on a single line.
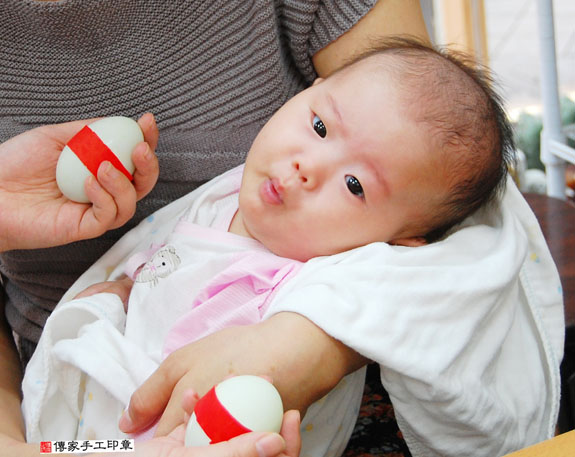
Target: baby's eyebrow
[(335, 108)]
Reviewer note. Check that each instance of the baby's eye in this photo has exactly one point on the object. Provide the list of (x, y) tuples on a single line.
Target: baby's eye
[(319, 127), (353, 185)]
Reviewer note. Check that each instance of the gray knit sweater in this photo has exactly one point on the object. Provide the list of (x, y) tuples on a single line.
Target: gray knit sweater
[(211, 71)]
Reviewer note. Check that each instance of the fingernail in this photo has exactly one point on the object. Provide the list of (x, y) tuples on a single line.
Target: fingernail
[(91, 182), (270, 445), (126, 423), (147, 154), (106, 167), (147, 118), (152, 119), (298, 415)]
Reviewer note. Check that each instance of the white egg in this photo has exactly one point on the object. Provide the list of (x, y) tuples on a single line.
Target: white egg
[(250, 400), (119, 134)]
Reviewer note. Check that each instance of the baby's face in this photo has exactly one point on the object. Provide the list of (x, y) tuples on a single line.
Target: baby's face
[(339, 166)]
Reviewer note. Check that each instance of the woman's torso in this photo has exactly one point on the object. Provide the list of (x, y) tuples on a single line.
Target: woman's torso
[(211, 72)]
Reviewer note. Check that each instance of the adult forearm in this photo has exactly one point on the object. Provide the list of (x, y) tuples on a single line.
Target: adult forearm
[(386, 18), (16, 448), (304, 361), (11, 423), (12, 435)]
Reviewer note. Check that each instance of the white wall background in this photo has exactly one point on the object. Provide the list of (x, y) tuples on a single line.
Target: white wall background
[(514, 50)]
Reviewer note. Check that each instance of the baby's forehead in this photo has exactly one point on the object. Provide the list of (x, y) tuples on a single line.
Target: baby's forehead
[(415, 72), (396, 76), (389, 62)]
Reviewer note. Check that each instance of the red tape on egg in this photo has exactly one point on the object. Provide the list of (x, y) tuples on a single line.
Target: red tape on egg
[(215, 419), (92, 151)]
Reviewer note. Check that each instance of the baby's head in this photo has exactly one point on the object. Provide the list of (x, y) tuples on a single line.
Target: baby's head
[(448, 96), (398, 146)]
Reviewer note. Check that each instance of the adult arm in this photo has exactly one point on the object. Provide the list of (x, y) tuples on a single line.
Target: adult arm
[(34, 213), (387, 17), (12, 439), (280, 346)]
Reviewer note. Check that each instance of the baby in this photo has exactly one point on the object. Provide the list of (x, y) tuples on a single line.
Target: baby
[(399, 146)]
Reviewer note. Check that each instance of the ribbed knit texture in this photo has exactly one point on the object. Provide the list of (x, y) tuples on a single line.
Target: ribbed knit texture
[(211, 71)]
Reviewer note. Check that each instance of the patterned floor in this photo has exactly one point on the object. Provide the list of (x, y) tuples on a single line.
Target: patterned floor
[(376, 432)]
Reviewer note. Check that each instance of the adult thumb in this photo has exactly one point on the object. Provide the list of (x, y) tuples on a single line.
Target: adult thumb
[(248, 445)]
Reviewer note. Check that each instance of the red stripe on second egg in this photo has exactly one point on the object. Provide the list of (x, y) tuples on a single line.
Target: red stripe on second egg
[(92, 151), (215, 420)]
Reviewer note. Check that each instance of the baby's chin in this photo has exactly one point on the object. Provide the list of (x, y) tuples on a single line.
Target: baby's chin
[(287, 249), (294, 254), (299, 251), (290, 247)]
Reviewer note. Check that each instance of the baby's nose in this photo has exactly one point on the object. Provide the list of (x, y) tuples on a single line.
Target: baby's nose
[(304, 173)]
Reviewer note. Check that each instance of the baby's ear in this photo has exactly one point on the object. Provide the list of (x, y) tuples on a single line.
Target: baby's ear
[(317, 81), (411, 242)]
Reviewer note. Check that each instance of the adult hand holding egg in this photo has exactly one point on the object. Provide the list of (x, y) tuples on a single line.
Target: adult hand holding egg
[(237, 405), (33, 211), (283, 442)]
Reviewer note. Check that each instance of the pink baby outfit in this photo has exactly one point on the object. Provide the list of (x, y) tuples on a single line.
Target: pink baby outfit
[(201, 279), (241, 281)]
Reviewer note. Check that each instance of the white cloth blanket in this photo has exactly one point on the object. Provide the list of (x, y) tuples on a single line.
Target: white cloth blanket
[(468, 331)]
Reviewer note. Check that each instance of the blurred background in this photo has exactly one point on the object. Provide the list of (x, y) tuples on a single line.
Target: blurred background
[(503, 34)]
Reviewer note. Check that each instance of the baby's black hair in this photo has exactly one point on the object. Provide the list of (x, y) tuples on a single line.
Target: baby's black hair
[(454, 97)]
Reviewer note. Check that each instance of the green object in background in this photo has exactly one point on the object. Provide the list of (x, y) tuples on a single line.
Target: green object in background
[(527, 138), (528, 130), (567, 109)]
